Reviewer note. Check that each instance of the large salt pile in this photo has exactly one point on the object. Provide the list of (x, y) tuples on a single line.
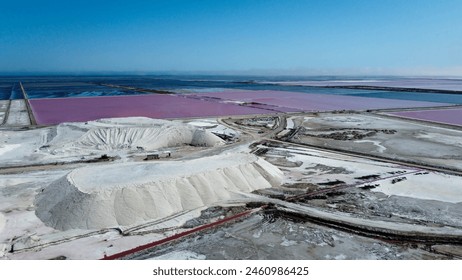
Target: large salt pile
[(131, 193), (129, 133)]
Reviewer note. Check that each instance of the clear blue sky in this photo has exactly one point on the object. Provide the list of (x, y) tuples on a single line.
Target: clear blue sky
[(287, 36)]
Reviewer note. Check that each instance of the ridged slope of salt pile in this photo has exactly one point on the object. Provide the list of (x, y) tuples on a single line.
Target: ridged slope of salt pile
[(130, 133), (131, 193)]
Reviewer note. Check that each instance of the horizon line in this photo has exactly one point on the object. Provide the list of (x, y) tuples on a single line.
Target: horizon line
[(213, 73)]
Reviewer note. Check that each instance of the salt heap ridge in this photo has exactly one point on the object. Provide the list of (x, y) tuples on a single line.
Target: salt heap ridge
[(133, 193)]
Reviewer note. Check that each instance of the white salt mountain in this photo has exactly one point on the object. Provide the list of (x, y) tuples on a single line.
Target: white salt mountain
[(129, 133), (132, 193)]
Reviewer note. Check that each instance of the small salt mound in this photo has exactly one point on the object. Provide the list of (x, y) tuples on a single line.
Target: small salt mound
[(131, 193), (130, 133)]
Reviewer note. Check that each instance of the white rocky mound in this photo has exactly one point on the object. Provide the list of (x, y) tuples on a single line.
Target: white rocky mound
[(132, 193), (130, 133)]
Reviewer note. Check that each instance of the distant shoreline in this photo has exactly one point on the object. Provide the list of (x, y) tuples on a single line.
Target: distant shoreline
[(423, 90)]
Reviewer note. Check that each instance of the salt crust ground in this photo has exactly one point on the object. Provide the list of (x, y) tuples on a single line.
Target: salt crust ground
[(18, 114), (2, 222), (7, 148), (412, 141), (434, 186), (129, 193), (429, 186)]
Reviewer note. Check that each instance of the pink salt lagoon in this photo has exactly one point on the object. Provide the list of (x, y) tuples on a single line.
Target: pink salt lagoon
[(209, 104), (58, 110), (446, 116), (295, 101)]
